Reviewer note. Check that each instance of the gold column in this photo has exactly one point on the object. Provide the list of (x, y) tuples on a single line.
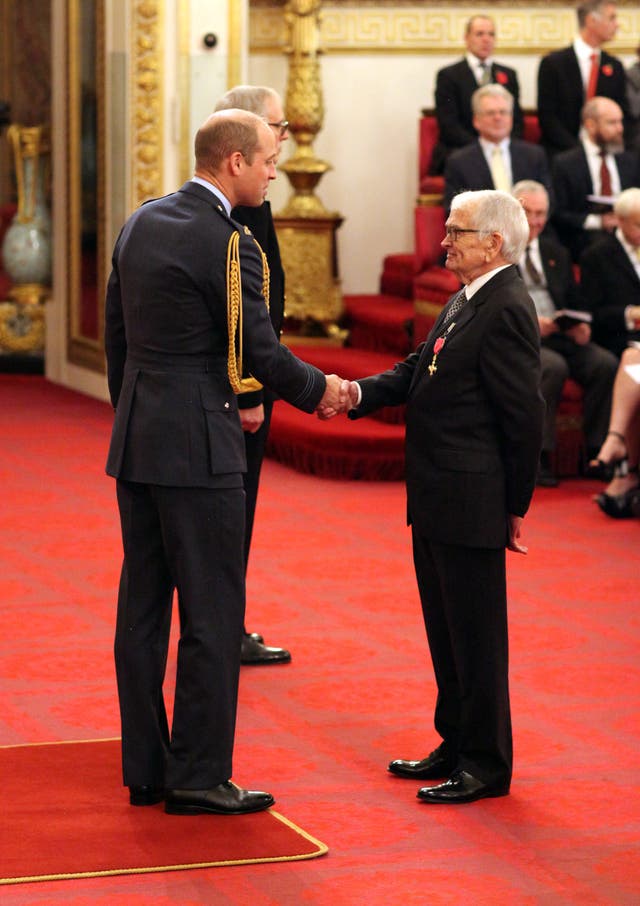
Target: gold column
[(306, 229)]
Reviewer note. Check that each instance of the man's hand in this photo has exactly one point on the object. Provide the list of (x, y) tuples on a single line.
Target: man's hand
[(609, 221), (338, 397), (515, 524), (579, 333), (252, 419), (547, 326)]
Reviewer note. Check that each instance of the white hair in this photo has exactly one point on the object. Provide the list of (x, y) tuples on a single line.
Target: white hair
[(492, 211), (627, 202)]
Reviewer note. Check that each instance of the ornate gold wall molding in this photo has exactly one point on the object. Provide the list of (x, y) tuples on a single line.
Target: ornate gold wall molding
[(147, 103), (376, 26)]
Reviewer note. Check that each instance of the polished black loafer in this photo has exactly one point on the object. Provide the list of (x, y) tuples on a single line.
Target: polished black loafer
[(254, 651), (145, 795), (430, 768), (460, 787), (224, 799)]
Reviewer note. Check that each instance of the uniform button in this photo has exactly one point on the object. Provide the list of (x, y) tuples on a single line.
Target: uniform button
[(226, 405)]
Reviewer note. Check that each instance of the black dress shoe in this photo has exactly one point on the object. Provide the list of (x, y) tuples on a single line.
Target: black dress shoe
[(430, 768), (145, 795), (224, 799), (618, 506), (460, 787), (254, 651)]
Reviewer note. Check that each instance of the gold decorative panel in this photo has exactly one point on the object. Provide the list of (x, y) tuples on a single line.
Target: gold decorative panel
[(147, 107), (523, 28)]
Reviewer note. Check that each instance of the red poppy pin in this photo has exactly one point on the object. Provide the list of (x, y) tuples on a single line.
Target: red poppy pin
[(607, 69), (502, 77)]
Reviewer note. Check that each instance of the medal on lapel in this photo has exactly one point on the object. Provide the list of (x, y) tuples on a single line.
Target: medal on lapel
[(437, 348)]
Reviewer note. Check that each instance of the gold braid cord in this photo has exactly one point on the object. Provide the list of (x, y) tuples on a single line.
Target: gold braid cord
[(240, 384)]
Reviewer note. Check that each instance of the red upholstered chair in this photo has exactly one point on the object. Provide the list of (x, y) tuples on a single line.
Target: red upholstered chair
[(433, 284), (430, 186)]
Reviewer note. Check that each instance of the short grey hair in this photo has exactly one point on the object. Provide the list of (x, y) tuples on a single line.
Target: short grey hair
[(591, 6), (490, 91), (529, 187), (493, 211), (627, 202), (247, 97)]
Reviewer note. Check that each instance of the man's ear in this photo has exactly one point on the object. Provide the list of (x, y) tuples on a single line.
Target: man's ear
[(494, 246), (236, 161)]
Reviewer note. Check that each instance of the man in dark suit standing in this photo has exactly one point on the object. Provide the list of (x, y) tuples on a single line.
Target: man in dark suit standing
[(569, 77), (474, 424), (256, 406), (610, 278), (597, 168), (456, 83), (494, 160), (185, 280), (566, 352)]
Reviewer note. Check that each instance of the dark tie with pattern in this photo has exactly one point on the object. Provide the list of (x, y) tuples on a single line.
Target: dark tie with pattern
[(531, 269), (455, 306)]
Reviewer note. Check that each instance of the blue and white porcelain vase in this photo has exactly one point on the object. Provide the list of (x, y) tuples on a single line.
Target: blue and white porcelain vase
[(26, 250)]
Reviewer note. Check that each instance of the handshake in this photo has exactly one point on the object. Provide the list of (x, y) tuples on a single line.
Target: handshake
[(340, 396)]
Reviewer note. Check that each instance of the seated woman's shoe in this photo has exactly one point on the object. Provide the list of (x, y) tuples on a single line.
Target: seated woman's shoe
[(620, 506), (612, 467)]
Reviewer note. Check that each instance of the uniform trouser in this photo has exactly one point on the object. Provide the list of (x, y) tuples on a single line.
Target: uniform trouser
[(464, 603), (190, 539), (255, 445)]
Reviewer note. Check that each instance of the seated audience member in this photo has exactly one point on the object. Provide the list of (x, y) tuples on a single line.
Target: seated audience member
[(621, 447), (494, 160), (610, 278), (456, 83), (596, 168), (565, 351), (569, 77), (633, 102)]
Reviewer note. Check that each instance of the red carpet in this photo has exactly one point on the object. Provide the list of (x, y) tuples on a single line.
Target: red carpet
[(62, 818), (331, 578)]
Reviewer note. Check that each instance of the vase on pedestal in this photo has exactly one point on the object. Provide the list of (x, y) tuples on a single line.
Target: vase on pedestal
[(26, 250)]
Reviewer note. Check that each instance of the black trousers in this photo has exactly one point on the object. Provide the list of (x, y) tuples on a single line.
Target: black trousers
[(189, 539), (464, 603)]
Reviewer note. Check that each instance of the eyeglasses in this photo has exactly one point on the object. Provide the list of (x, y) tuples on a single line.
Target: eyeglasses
[(453, 232), (282, 126)]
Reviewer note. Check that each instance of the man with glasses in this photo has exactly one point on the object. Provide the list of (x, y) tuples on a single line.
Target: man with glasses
[(256, 406), (495, 160), (474, 425)]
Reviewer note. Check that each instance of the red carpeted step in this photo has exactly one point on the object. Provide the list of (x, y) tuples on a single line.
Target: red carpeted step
[(379, 323), (364, 449)]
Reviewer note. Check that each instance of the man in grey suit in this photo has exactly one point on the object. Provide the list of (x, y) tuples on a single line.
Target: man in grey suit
[(474, 424), (185, 279), (494, 160)]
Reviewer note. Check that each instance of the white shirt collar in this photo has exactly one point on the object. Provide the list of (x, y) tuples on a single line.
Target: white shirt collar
[(472, 288), (582, 50), (222, 198), (475, 62)]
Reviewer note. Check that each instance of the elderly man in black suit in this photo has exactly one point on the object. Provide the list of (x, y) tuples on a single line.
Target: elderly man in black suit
[(595, 170), (566, 351), (186, 281), (494, 160), (256, 406), (610, 278), (474, 425), (569, 77), (456, 83)]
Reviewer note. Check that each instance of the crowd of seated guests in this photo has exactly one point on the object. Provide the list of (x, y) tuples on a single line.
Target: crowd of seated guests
[(579, 187)]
